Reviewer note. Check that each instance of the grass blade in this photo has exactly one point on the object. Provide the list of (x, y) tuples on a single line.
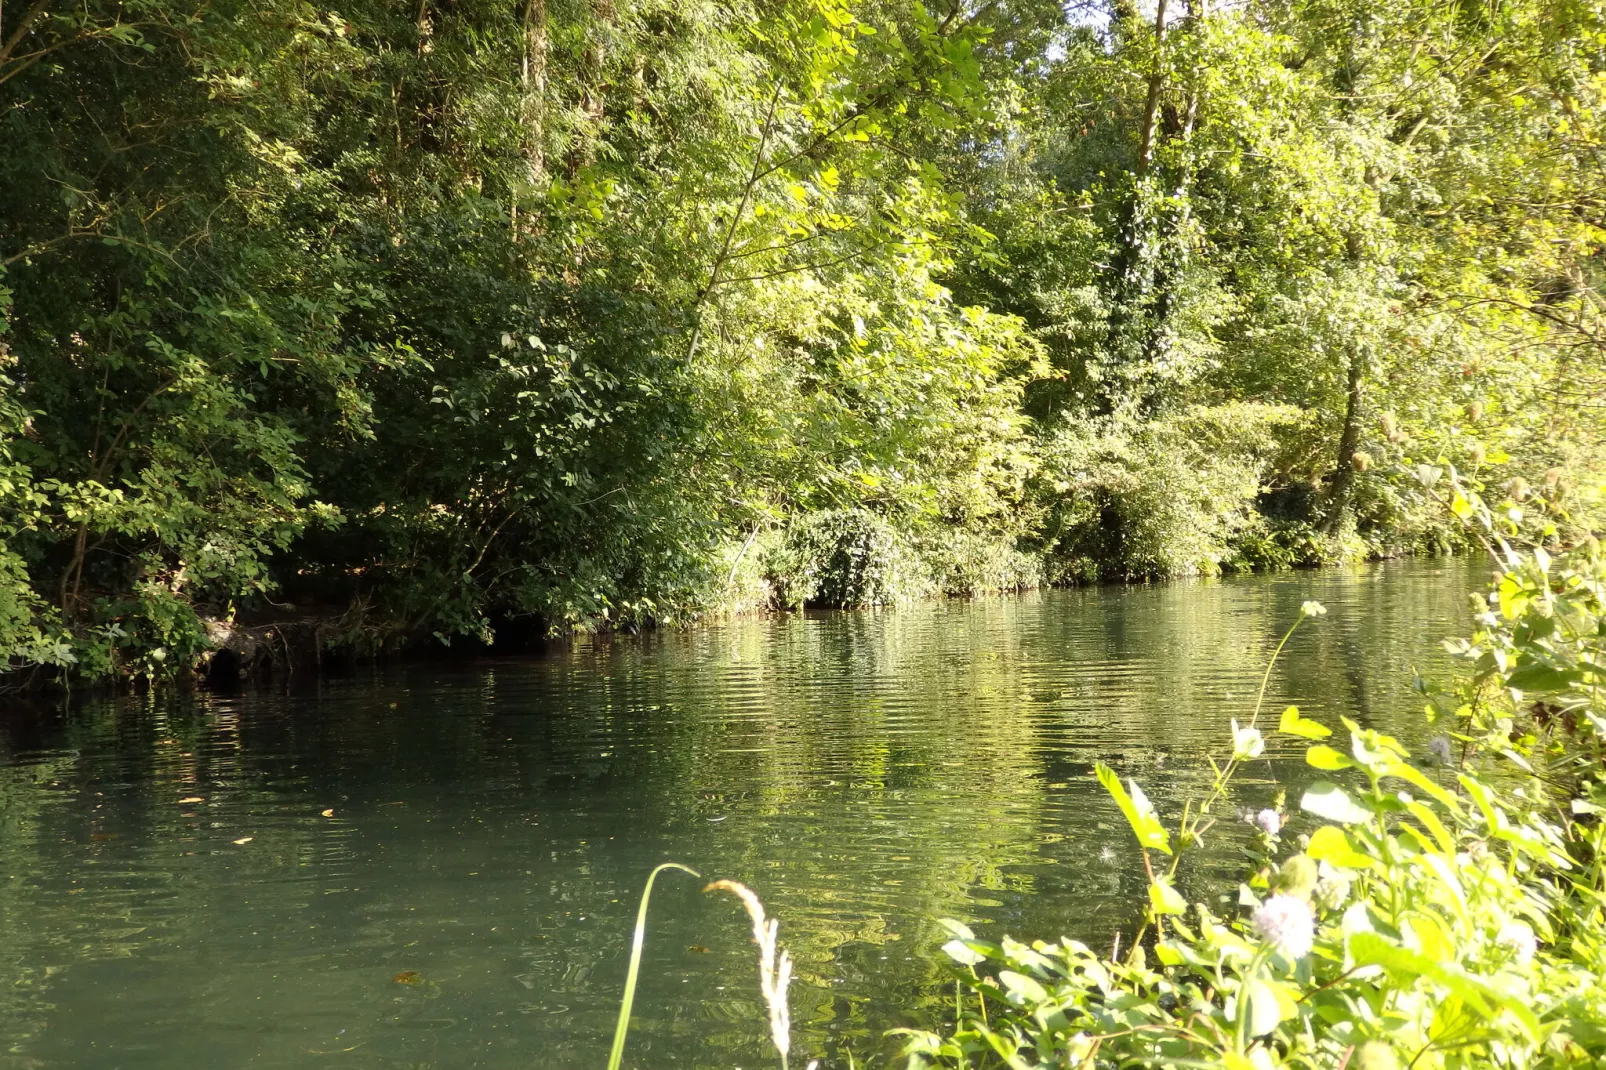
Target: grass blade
[(616, 1056)]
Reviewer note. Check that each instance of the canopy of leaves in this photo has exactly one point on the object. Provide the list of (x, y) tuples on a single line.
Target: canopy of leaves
[(390, 321)]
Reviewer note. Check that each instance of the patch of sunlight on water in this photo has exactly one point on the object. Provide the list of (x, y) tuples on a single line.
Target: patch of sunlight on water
[(438, 867)]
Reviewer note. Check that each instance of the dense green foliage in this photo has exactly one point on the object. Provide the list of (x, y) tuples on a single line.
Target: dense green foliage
[(1444, 911), (385, 321)]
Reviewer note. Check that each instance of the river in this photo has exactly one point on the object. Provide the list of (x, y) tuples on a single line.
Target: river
[(439, 865)]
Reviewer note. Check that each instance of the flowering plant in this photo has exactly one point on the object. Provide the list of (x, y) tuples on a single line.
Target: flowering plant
[(1448, 919)]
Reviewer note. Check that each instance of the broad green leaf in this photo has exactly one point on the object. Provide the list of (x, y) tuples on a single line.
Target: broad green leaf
[(1537, 676), (1429, 936), (1328, 800), (1441, 835), (1414, 776), (1373, 949), (963, 954), (1023, 988), (1325, 757), (1295, 725), (1166, 899), (1269, 1005)]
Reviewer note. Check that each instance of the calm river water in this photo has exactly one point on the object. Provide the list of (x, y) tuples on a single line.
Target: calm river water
[(439, 866)]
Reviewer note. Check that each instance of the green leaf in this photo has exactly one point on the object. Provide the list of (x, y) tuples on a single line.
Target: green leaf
[(1332, 845), (1139, 812), (1537, 676), (1325, 757), (1023, 988), (1373, 949), (1328, 800), (1295, 725), (1414, 776), (1166, 899), (1269, 1005), (963, 953)]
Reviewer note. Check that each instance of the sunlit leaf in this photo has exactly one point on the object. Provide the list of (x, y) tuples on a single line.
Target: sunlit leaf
[(1332, 802), (1295, 725), (1139, 813)]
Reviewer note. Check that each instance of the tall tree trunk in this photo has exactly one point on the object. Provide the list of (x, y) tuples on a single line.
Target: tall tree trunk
[(532, 79), (532, 108), (1151, 106)]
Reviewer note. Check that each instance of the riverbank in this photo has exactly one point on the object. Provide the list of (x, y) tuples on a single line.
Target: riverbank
[(428, 321), (289, 641)]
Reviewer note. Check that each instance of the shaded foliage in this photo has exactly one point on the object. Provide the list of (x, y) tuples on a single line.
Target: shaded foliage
[(411, 321)]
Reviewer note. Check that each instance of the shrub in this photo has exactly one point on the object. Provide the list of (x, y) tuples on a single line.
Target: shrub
[(846, 557), (1166, 498)]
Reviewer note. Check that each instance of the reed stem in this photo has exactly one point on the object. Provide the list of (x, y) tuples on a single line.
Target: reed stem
[(616, 1056)]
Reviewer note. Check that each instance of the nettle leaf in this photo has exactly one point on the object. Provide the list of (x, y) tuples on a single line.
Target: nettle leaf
[(1137, 808), (962, 953), (1325, 799), (1537, 676), (1021, 987), (1269, 1003), (1414, 776), (1374, 949)]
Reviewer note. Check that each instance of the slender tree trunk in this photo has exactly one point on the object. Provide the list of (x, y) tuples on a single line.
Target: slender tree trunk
[(1342, 489), (532, 83), (1151, 106), (533, 80)]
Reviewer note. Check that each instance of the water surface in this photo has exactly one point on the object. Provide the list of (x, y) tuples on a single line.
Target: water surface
[(438, 866)]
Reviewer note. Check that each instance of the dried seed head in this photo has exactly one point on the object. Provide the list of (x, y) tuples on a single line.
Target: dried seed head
[(774, 963)]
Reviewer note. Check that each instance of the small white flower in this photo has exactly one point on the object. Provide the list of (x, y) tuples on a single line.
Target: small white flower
[(1269, 821), (1286, 924), (1439, 750), (1518, 938), (1313, 608), (1246, 742)]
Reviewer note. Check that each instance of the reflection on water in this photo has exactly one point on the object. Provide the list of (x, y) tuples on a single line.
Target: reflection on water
[(439, 867)]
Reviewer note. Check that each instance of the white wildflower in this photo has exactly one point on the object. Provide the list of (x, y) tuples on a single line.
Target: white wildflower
[(1313, 608), (1517, 937), (1269, 821), (1246, 742), (1286, 924)]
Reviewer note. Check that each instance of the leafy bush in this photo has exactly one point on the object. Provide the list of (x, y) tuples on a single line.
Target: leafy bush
[(1165, 498), (847, 557)]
